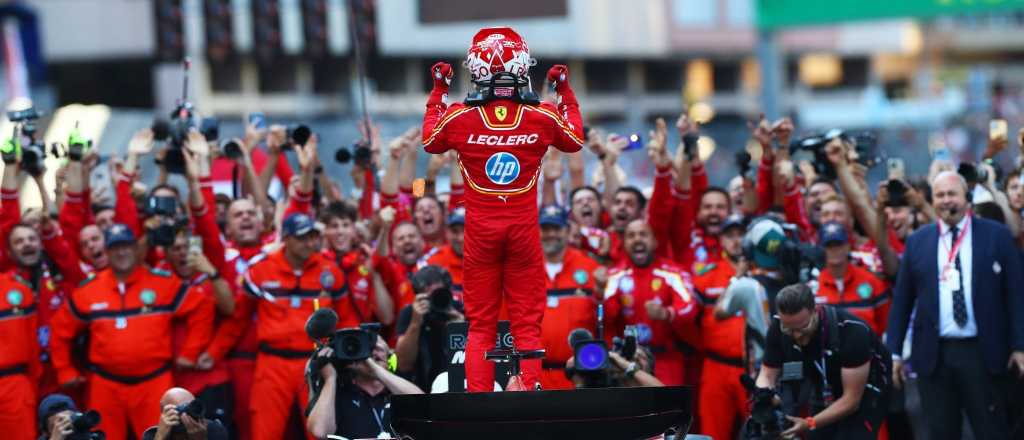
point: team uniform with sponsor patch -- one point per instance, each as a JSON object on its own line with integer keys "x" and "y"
{"x": 722, "y": 400}
{"x": 859, "y": 292}
{"x": 628, "y": 290}
{"x": 130, "y": 349}
{"x": 283, "y": 298}
{"x": 571, "y": 304}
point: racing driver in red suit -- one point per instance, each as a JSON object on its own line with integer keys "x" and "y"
{"x": 501, "y": 134}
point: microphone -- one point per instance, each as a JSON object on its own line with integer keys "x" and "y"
{"x": 579, "y": 335}
{"x": 321, "y": 324}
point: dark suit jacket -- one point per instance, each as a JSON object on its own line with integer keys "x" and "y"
{"x": 997, "y": 295}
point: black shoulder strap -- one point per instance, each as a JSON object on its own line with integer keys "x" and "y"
{"x": 832, "y": 327}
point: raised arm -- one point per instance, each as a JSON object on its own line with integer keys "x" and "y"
{"x": 437, "y": 109}
{"x": 569, "y": 133}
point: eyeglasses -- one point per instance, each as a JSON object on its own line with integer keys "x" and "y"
{"x": 805, "y": 330}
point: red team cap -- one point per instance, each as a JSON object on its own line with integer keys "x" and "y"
{"x": 498, "y": 49}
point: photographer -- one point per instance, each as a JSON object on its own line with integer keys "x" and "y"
{"x": 54, "y": 420}
{"x": 622, "y": 372}
{"x": 827, "y": 366}
{"x": 421, "y": 326}
{"x": 182, "y": 418}
{"x": 342, "y": 405}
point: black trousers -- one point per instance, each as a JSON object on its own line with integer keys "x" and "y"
{"x": 962, "y": 384}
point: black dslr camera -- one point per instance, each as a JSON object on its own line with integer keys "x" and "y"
{"x": 170, "y": 223}
{"x": 766, "y": 420}
{"x": 82, "y": 425}
{"x": 865, "y": 144}
{"x": 359, "y": 154}
{"x": 195, "y": 409}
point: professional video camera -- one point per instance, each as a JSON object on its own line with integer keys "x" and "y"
{"x": 82, "y": 425}
{"x": 195, "y": 409}
{"x": 865, "y": 144}
{"x": 591, "y": 355}
{"x": 766, "y": 420}
{"x": 34, "y": 153}
{"x": 175, "y": 130}
{"x": 349, "y": 344}
{"x": 170, "y": 223}
{"x": 359, "y": 154}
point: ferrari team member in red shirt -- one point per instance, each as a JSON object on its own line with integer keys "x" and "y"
{"x": 847, "y": 286}
{"x": 572, "y": 283}
{"x": 501, "y": 135}
{"x": 655, "y": 295}
{"x": 449, "y": 256}
{"x": 586, "y": 216}
{"x": 283, "y": 288}
{"x": 127, "y": 310}
{"x": 19, "y": 359}
{"x": 722, "y": 400}
{"x": 368, "y": 299}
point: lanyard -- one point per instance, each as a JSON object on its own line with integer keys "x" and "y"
{"x": 956, "y": 245}
{"x": 380, "y": 423}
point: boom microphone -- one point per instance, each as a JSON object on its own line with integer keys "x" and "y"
{"x": 579, "y": 335}
{"x": 321, "y": 324}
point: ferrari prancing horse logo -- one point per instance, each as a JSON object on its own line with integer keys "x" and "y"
{"x": 501, "y": 112}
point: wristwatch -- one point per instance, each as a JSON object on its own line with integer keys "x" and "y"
{"x": 810, "y": 423}
{"x": 214, "y": 276}
{"x": 631, "y": 370}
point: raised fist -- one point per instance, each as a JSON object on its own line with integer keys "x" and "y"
{"x": 559, "y": 76}
{"x": 442, "y": 73}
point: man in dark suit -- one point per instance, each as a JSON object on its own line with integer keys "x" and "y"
{"x": 964, "y": 276}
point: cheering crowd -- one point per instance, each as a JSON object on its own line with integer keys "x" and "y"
{"x": 131, "y": 306}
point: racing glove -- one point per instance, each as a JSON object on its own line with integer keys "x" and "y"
{"x": 441, "y": 73}
{"x": 558, "y": 76}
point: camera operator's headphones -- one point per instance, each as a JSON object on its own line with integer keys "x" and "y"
{"x": 520, "y": 90}
{"x": 429, "y": 275}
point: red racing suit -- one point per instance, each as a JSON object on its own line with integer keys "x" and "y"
{"x": 500, "y": 146}
{"x": 630, "y": 287}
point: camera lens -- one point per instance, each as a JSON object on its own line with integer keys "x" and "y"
{"x": 232, "y": 150}
{"x": 342, "y": 156}
{"x": 440, "y": 300}
{"x": 300, "y": 134}
{"x": 351, "y": 346}
{"x": 591, "y": 356}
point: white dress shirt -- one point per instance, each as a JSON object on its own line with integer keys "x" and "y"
{"x": 947, "y": 325}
